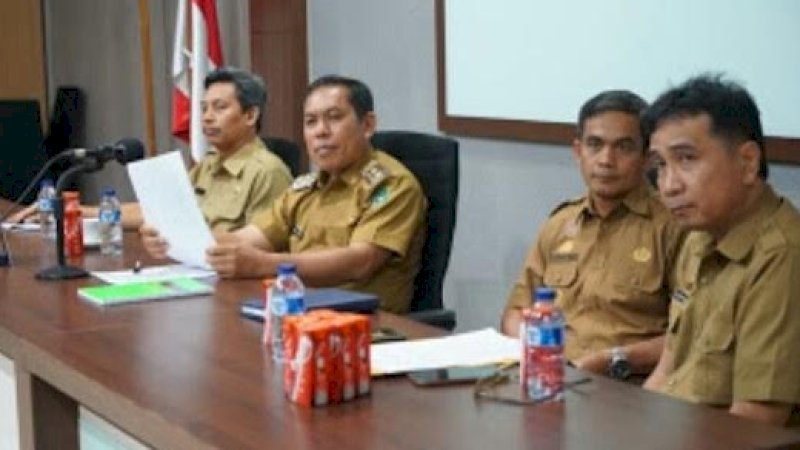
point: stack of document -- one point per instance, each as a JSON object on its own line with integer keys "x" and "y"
{"x": 485, "y": 346}
{"x": 24, "y": 226}
{"x": 152, "y": 273}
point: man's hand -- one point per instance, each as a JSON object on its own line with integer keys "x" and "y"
{"x": 510, "y": 322}
{"x": 231, "y": 257}
{"x": 155, "y": 245}
{"x": 596, "y": 362}
{"x": 26, "y": 214}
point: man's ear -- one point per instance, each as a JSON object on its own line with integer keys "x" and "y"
{"x": 576, "y": 149}
{"x": 370, "y": 123}
{"x": 251, "y": 115}
{"x": 750, "y": 155}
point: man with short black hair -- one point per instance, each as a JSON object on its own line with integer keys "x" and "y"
{"x": 734, "y": 330}
{"x": 607, "y": 253}
{"x": 239, "y": 177}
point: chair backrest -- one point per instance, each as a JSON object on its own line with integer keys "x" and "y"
{"x": 67, "y": 129}
{"x": 434, "y": 161}
{"x": 21, "y": 154}
{"x": 286, "y": 150}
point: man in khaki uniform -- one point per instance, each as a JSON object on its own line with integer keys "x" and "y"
{"x": 734, "y": 333}
{"x": 238, "y": 177}
{"x": 356, "y": 223}
{"x": 607, "y": 253}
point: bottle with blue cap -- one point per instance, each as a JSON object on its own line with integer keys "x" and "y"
{"x": 287, "y": 298}
{"x": 110, "y": 223}
{"x": 45, "y": 207}
{"x": 543, "y": 347}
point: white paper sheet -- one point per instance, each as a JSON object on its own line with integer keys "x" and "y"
{"x": 153, "y": 273}
{"x": 24, "y": 226}
{"x": 485, "y": 346}
{"x": 168, "y": 203}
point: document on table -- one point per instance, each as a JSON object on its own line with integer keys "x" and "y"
{"x": 23, "y": 226}
{"x": 152, "y": 274}
{"x": 168, "y": 203}
{"x": 480, "y": 347}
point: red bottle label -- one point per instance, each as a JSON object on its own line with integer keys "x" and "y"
{"x": 73, "y": 229}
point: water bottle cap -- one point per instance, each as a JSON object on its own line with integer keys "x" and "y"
{"x": 287, "y": 269}
{"x": 109, "y": 191}
{"x": 46, "y": 182}
{"x": 544, "y": 293}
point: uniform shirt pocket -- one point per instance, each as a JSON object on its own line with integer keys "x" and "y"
{"x": 224, "y": 206}
{"x": 562, "y": 276}
{"x": 638, "y": 287}
{"x": 714, "y": 366}
{"x": 229, "y": 207}
{"x": 635, "y": 279}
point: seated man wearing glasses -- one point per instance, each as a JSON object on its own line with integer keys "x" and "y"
{"x": 607, "y": 254}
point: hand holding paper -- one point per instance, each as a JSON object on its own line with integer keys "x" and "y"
{"x": 232, "y": 256}
{"x": 153, "y": 242}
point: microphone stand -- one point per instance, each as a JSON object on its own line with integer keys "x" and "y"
{"x": 62, "y": 271}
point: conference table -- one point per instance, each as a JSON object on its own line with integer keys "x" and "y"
{"x": 192, "y": 374}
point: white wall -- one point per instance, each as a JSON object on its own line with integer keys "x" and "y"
{"x": 507, "y": 189}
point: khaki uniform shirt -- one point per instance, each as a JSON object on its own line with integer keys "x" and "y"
{"x": 376, "y": 201}
{"x": 610, "y": 273}
{"x": 232, "y": 190}
{"x": 735, "y": 317}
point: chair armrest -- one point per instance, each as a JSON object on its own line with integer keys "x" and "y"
{"x": 441, "y": 318}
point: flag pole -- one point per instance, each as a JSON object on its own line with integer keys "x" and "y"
{"x": 147, "y": 76}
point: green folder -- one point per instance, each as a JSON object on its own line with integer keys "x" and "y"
{"x": 115, "y": 294}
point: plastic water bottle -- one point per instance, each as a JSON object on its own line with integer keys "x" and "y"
{"x": 287, "y": 298}
{"x": 543, "y": 345}
{"x": 110, "y": 218}
{"x": 45, "y": 206}
{"x": 289, "y": 284}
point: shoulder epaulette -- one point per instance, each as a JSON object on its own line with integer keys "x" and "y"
{"x": 305, "y": 181}
{"x": 564, "y": 204}
{"x": 374, "y": 173}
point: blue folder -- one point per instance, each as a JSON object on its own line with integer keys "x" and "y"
{"x": 325, "y": 298}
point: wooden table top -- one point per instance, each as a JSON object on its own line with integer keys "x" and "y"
{"x": 191, "y": 373}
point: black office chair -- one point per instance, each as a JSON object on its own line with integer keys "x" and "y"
{"x": 434, "y": 161}
{"x": 289, "y": 152}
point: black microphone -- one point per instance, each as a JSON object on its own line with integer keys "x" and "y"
{"x": 124, "y": 151}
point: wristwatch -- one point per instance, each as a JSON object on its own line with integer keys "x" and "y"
{"x": 620, "y": 367}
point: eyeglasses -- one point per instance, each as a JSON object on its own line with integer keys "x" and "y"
{"x": 498, "y": 387}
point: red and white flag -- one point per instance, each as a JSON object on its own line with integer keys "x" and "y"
{"x": 205, "y": 56}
